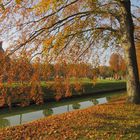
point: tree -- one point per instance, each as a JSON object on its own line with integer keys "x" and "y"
{"x": 117, "y": 64}
{"x": 105, "y": 71}
{"x": 138, "y": 57}
{"x": 127, "y": 27}
{"x": 80, "y": 24}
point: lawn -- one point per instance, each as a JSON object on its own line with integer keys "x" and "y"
{"x": 116, "y": 120}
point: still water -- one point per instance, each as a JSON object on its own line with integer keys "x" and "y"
{"x": 23, "y": 115}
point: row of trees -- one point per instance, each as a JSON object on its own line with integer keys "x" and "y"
{"x": 21, "y": 79}
{"x": 47, "y": 71}
{"x": 25, "y": 73}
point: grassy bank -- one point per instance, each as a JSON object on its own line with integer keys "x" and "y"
{"x": 87, "y": 87}
{"x": 113, "y": 121}
{"x": 18, "y": 96}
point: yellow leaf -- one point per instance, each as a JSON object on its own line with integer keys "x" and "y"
{"x": 18, "y": 1}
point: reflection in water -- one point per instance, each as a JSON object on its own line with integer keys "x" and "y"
{"x": 95, "y": 101}
{"x": 47, "y": 112}
{"x": 13, "y": 120}
{"x": 76, "y": 106}
{"x": 108, "y": 98}
{"x": 20, "y": 118}
{"x": 52, "y": 108}
{"x": 4, "y": 122}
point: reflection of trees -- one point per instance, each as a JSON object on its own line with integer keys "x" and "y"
{"x": 95, "y": 101}
{"x": 47, "y": 111}
{"x": 68, "y": 108}
{"x": 4, "y": 122}
{"x": 20, "y": 117}
{"x": 76, "y": 106}
{"x": 108, "y": 99}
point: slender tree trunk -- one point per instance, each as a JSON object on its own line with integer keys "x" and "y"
{"x": 133, "y": 85}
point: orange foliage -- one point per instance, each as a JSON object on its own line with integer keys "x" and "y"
{"x": 117, "y": 64}
{"x": 21, "y": 79}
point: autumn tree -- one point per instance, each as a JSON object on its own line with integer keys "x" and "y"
{"x": 105, "y": 71}
{"x": 117, "y": 64}
{"x": 53, "y": 28}
{"x": 138, "y": 56}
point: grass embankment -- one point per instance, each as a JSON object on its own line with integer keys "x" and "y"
{"x": 49, "y": 92}
{"x": 87, "y": 87}
{"x": 113, "y": 121}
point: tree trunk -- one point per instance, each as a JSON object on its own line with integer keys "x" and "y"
{"x": 127, "y": 27}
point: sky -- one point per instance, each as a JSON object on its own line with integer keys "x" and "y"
{"x": 136, "y": 2}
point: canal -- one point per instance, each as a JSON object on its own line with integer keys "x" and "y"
{"x": 20, "y": 115}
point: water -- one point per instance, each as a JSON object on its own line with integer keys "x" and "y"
{"x": 23, "y": 115}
